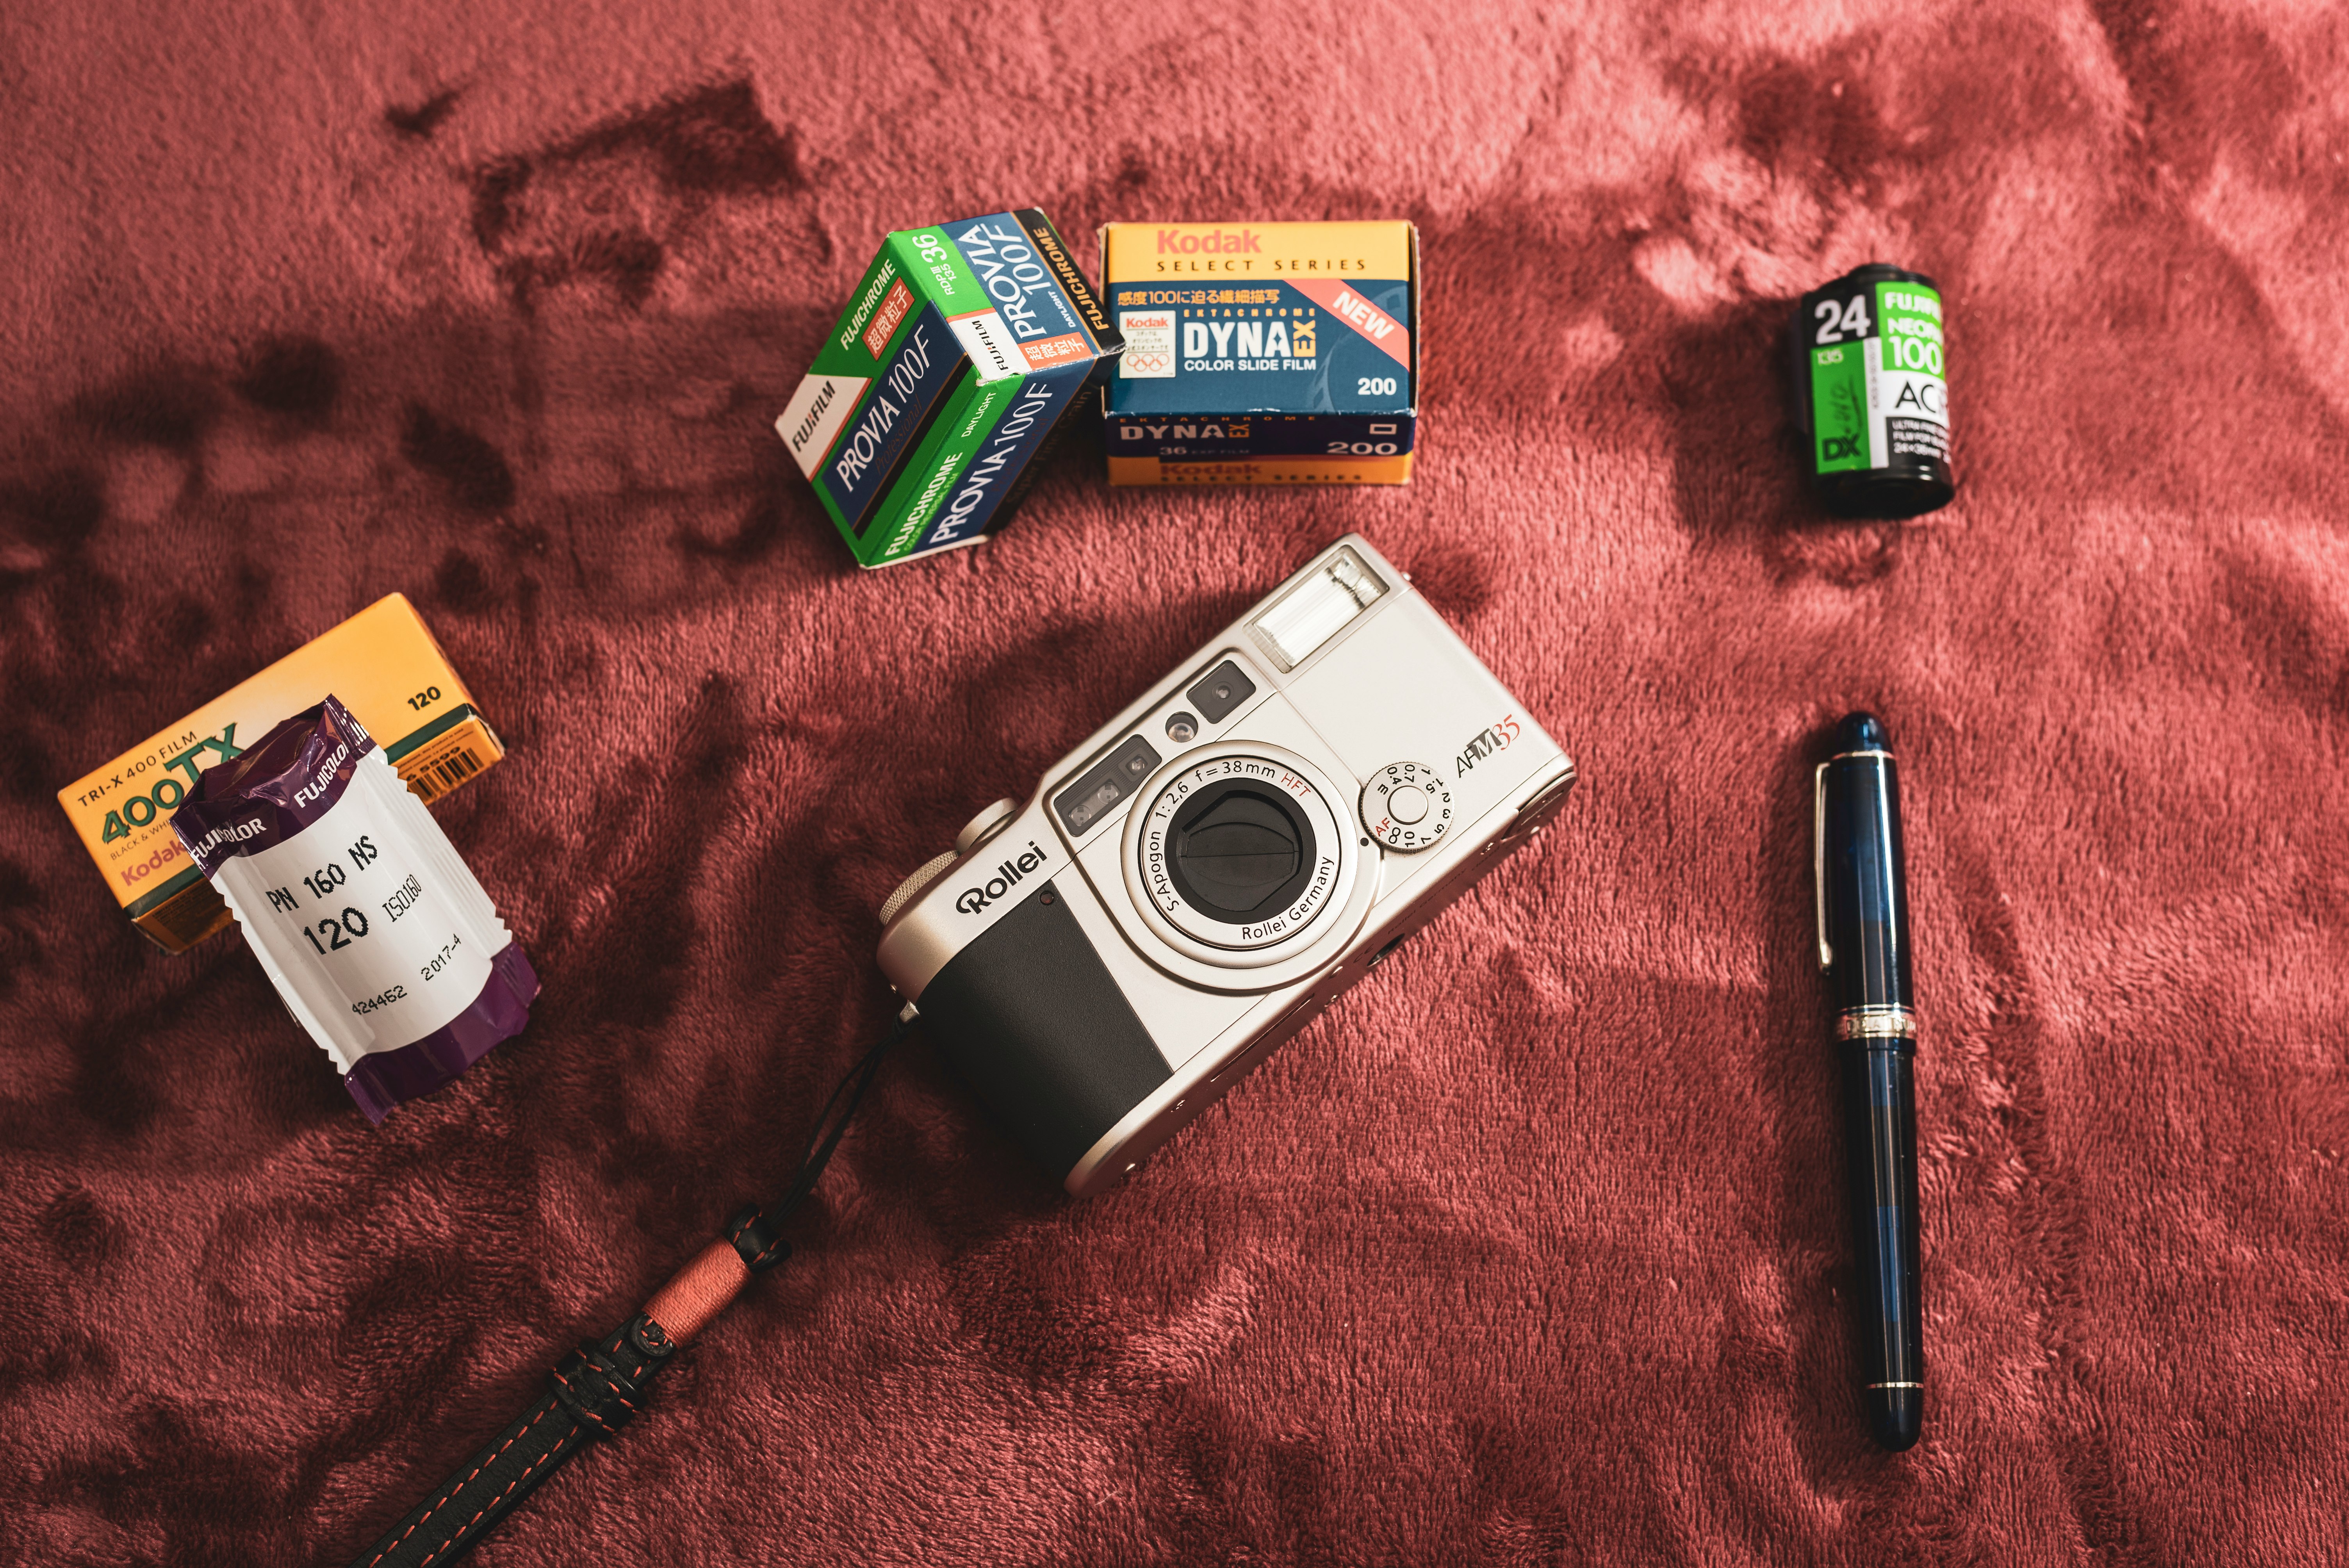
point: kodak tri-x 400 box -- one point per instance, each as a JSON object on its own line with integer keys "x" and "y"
{"x": 1262, "y": 353}
{"x": 962, "y": 353}
{"x": 382, "y": 665}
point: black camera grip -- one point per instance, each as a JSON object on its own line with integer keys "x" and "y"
{"x": 1036, "y": 1026}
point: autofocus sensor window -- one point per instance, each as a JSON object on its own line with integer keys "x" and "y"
{"x": 1223, "y": 689}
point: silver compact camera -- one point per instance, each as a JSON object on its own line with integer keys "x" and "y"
{"x": 1193, "y": 884}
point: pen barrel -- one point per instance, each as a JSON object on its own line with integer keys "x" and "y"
{"x": 1879, "y": 1089}
{"x": 1864, "y": 897}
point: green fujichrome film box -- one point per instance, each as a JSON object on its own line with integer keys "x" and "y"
{"x": 953, "y": 369}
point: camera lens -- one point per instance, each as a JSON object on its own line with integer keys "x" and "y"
{"x": 1241, "y": 851}
{"x": 1181, "y": 728}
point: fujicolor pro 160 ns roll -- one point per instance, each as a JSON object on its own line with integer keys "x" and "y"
{"x": 1871, "y": 392}
{"x": 385, "y": 666}
{"x": 947, "y": 377}
{"x": 364, "y": 916}
{"x": 1262, "y": 353}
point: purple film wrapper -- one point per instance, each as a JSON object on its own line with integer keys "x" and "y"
{"x": 380, "y": 941}
{"x": 383, "y": 1078}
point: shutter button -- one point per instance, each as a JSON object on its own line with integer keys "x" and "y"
{"x": 985, "y": 825}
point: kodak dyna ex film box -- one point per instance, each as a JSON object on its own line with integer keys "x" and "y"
{"x": 958, "y": 361}
{"x": 381, "y": 664}
{"x": 1262, "y": 353}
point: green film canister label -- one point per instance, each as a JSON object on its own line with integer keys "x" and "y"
{"x": 1871, "y": 350}
{"x": 1878, "y": 392}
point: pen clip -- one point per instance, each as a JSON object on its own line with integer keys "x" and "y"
{"x": 1819, "y": 860}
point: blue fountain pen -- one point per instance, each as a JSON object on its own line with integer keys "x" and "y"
{"x": 1863, "y": 920}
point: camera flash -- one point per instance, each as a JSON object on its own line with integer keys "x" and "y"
{"x": 1316, "y": 609}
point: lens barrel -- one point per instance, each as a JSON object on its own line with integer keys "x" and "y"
{"x": 1239, "y": 850}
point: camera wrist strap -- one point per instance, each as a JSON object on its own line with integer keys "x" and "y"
{"x": 597, "y": 1388}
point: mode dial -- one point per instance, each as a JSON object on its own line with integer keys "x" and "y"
{"x": 1407, "y": 806}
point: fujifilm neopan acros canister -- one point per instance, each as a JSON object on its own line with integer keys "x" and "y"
{"x": 1194, "y": 882}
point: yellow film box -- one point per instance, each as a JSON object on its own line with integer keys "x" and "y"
{"x": 382, "y": 665}
{"x": 1265, "y": 354}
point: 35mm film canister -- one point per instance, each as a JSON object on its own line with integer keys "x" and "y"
{"x": 1872, "y": 393}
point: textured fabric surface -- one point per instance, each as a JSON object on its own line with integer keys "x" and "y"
{"x": 1535, "y": 1250}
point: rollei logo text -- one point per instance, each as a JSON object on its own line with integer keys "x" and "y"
{"x": 1008, "y": 875}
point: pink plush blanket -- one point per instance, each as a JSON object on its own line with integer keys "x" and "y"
{"x": 1534, "y": 1251}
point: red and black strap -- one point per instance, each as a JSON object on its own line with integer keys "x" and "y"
{"x": 591, "y": 1394}
{"x": 598, "y": 1388}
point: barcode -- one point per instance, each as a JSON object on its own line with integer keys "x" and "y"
{"x": 455, "y": 768}
{"x": 433, "y": 781}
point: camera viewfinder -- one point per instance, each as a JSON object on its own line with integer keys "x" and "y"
{"x": 1106, "y": 784}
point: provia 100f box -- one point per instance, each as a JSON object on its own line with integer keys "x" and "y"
{"x": 1262, "y": 353}
{"x": 963, "y": 350}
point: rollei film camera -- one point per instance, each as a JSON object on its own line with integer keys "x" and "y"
{"x": 1210, "y": 870}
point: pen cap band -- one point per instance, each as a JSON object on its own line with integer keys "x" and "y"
{"x": 1876, "y": 1023}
